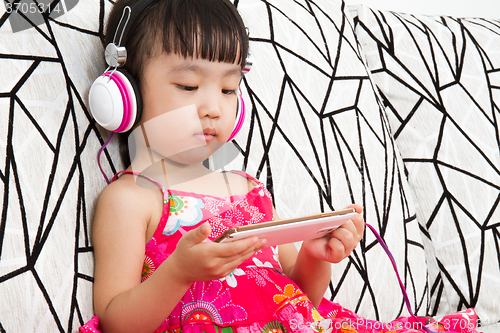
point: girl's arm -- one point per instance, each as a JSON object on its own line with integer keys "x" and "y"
{"x": 310, "y": 268}
{"x": 120, "y": 300}
{"x": 124, "y": 304}
{"x": 311, "y": 275}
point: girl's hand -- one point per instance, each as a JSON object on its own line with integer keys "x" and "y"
{"x": 340, "y": 243}
{"x": 197, "y": 259}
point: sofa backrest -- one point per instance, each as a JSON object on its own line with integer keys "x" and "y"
{"x": 439, "y": 79}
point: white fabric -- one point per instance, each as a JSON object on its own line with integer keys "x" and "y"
{"x": 331, "y": 146}
{"x": 438, "y": 77}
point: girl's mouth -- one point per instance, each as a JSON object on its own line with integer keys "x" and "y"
{"x": 207, "y": 135}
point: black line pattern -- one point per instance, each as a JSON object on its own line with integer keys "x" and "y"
{"x": 319, "y": 139}
{"x": 316, "y": 135}
{"x": 439, "y": 80}
{"x": 50, "y": 179}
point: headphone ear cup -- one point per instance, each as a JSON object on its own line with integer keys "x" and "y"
{"x": 115, "y": 101}
{"x": 240, "y": 116}
{"x": 137, "y": 94}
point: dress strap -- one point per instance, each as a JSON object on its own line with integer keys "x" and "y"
{"x": 165, "y": 191}
{"x": 244, "y": 174}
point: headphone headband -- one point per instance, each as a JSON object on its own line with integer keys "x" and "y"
{"x": 116, "y": 54}
{"x": 137, "y": 9}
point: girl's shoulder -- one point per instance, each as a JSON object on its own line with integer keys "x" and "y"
{"x": 122, "y": 188}
{"x": 242, "y": 182}
{"x": 126, "y": 197}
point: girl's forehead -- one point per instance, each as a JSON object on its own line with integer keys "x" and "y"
{"x": 175, "y": 64}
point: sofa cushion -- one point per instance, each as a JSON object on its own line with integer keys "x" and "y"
{"x": 50, "y": 179}
{"x": 319, "y": 140}
{"x": 439, "y": 78}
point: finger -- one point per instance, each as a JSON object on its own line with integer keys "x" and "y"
{"x": 346, "y": 237}
{"x": 359, "y": 224}
{"x": 246, "y": 252}
{"x": 197, "y": 235}
{"x": 233, "y": 262}
{"x": 349, "y": 225}
{"x": 358, "y": 220}
{"x": 338, "y": 251}
{"x": 257, "y": 246}
{"x": 234, "y": 248}
{"x": 353, "y": 228}
{"x": 261, "y": 243}
{"x": 357, "y": 207}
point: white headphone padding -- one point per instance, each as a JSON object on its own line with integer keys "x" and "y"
{"x": 106, "y": 102}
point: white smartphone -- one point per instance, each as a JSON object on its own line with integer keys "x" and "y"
{"x": 290, "y": 230}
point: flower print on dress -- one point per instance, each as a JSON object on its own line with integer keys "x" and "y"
{"x": 290, "y": 295}
{"x": 233, "y": 218}
{"x": 225, "y": 213}
{"x": 227, "y": 210}
{"x": 274, "y": 327}
{"x": 259, "y": 263}
{"x": 155, "y": 255}
{"x": 255, "y": 215}
{"x": 216, "y": 206}
{"x": 221, "y": 225}
{"x": 218, "y": 227}
{"x": 260, "y": 275}
{"x": 263, "y": 192}
{"x": 324, "y": 326}
{"x": 260, "y": 271}
{"x": 210, "y": 301}
{"x": 147, "y": 268}
{"x": 275, "y": 254}
{"x": 184, "y": 211}
{"x": 231, "y": 278}
{"x": 158, "y": 251}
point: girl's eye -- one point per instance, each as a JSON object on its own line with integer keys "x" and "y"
{"x": 228, "y": 91}
{"x": 186, "y": 88}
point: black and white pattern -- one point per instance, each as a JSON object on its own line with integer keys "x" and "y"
{"x": 49, "y": 176}
{"x": 440, "y": 80}
{"x": 315, "y": 135}
{"x": 319, "y": 140}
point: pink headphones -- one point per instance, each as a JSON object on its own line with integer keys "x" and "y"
{"x": 114, "y": 97}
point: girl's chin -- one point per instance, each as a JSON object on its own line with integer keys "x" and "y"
{"x": 195, "y": 155}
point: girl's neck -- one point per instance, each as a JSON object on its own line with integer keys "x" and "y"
{"x": 193, "y": 178}
{"x": 170, "y": 173}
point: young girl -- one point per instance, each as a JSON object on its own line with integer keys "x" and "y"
{"x": 156, "y": 267}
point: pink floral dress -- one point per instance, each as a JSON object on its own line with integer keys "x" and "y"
{"x": 257, "y": 296}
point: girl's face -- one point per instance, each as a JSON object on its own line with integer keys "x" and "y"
{"x": 189, "y": 106}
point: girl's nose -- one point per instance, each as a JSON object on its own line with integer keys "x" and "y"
{"x": 209, "y": 105}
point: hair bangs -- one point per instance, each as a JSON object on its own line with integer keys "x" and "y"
{"x": 210, "y": 30}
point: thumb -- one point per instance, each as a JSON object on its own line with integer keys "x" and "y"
{"x": 199, "y": 234}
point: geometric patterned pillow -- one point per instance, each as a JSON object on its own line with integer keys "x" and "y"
{"x": 439, "y": 78}
{"x": 319, "y": 140}
{"x": 48, "y": 171}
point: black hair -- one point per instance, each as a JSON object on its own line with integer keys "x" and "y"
{"x": 207, "y": 29}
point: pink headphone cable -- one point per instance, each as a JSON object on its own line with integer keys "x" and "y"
{"x": 403, "y": 289}
{"x": 99, "y": 156}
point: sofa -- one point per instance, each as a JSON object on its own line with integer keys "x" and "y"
{"x": 396, "y": 112}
